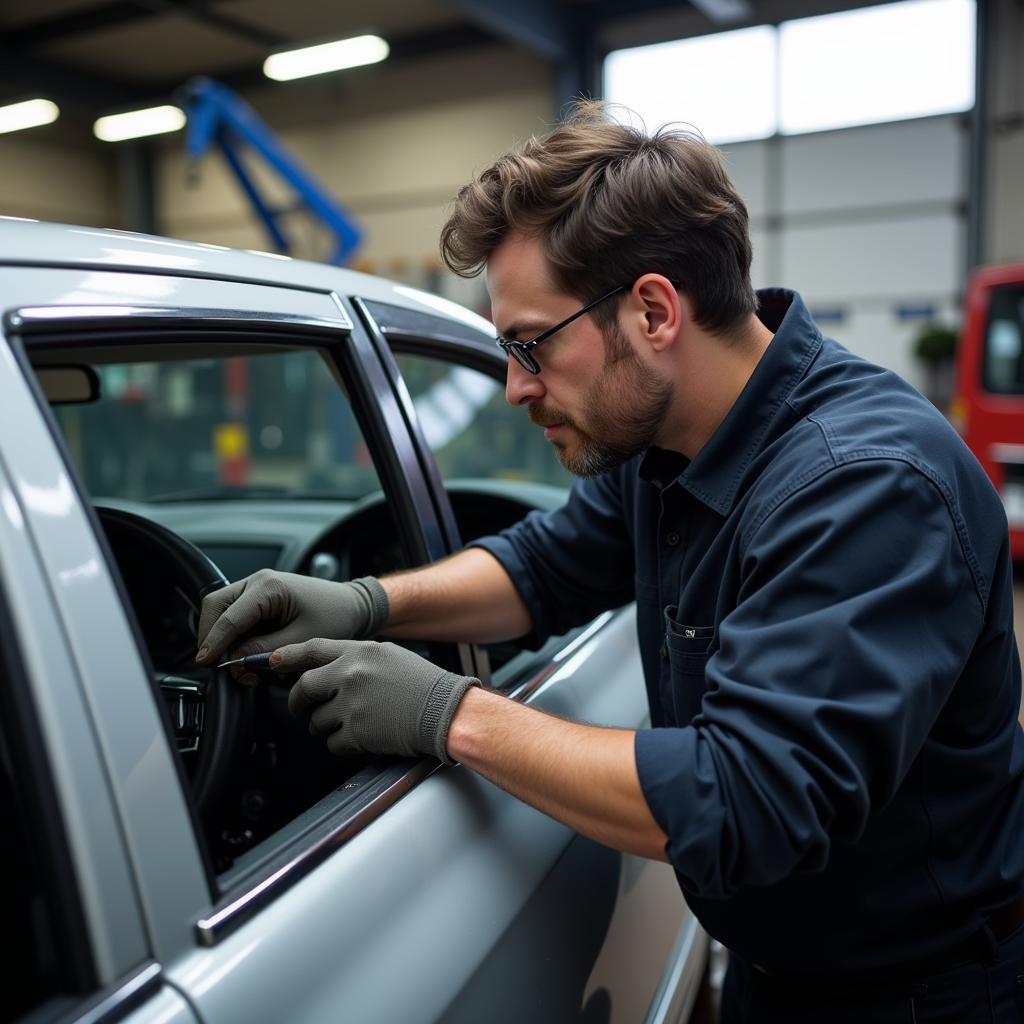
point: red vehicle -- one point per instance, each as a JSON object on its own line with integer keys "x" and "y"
{"x": 988, "y": 403}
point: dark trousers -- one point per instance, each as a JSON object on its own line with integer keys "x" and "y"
{"x": 987, "y": 991}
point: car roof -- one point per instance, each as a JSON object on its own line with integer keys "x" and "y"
{"x": 26, "y": 243}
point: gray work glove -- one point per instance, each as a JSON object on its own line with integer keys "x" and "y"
{"x": 293, "y": 608}
{"x": 372, "y": 697}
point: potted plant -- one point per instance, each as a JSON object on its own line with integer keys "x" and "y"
{"x": 935, "y": 346}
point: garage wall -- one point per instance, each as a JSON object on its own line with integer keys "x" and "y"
{"x": 867, "y": 223}
{"x": 56, "y": 182}
{"x": 394, "y": 148}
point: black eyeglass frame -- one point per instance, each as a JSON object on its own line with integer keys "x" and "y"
{"x": 520, "y": 350}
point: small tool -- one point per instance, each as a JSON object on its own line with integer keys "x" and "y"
{"x": 256, "y": 661}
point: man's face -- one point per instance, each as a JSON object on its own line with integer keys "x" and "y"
{"x": 597, "y": 400}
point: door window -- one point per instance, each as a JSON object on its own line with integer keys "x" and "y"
{"x": 496, "y": 467}
{"x": 257, "y": 457}
{"x": 473, "y": 432}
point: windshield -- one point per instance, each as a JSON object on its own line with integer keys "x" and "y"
{"x": 276, "y": 424}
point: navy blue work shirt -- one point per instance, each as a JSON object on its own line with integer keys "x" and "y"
{"x": 824, "y": 606}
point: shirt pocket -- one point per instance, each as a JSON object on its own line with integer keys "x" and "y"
{"x": 687, "y": 647}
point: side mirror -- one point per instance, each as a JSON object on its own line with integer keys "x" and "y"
{"x": 69, "y": 385}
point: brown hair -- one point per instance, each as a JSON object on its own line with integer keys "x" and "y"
{"x": 612, "y": 203}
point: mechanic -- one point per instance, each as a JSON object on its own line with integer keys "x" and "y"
{"x": 823, "y": 588}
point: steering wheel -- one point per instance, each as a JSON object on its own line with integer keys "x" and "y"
{"x": 210, "y": 714}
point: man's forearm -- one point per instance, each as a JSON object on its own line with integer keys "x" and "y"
{"x": 581, "y": 775}
{"x": 467, "y": 598}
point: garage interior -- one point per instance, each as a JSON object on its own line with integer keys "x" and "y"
{"x": 878, "y": 217}
{"x": 877, "y": 221}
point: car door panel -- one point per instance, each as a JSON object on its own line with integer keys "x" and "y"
{"x": 398, "y": 921}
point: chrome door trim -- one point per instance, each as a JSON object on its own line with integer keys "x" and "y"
{"x": 33, "y": 319}
{"x": 230, "y": 913}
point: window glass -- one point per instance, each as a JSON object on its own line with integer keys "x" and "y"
{"x": 273, "y": 423}
{"x": 1003, "y": 371}
{"x": 723, "y": 85}
{"x": 886, "y": 63}
{"x": 471, "y": 429}
{"x": 252, "y": 455}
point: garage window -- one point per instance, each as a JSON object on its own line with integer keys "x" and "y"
{"x": 805, "y": 75}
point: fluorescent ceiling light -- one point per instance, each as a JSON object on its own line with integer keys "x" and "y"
{"x": 318, "y": 60}
{"x": 135, "y": 124}
{"x": 28, "y": 114}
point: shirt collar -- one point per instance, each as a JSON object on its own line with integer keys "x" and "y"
{"x": 714, "y": 473}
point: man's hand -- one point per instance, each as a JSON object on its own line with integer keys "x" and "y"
{"x": 378, "y": 698}
{"x": 297, "y": 607}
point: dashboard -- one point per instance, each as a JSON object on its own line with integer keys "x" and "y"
{"x": 328, "y": 538}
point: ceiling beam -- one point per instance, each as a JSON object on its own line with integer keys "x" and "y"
{"x": 534, "y": 24}
{"x": 116, "y": 13}
{"x": 42, "y": 32}
{"x": 203, "y": 12}
{"x": 25, "y": 74}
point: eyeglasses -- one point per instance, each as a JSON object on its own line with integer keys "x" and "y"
{"x": 520, "y": 350}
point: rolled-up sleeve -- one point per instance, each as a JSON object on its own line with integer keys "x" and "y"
{"x": 574, "y": 562}
{"x": 857, "y": 613}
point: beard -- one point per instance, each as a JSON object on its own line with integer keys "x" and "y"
{"x": 623, "y": 411}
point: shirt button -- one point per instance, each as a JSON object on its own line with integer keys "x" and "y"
{"x": 672, "y": 539}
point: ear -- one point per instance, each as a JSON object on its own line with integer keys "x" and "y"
{"x": 664, "y": 311}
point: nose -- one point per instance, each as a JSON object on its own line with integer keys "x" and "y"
{"x": 521, "y": 386}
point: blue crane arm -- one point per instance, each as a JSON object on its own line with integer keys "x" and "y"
{"x": 216, "y": 115}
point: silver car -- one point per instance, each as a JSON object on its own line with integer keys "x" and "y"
{"x": 178, "y": 848}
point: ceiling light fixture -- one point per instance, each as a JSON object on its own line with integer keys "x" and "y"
{"x": 28, "y": 114}
{"x": 136, "y": 124}
{"x": 325, "y": 57}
